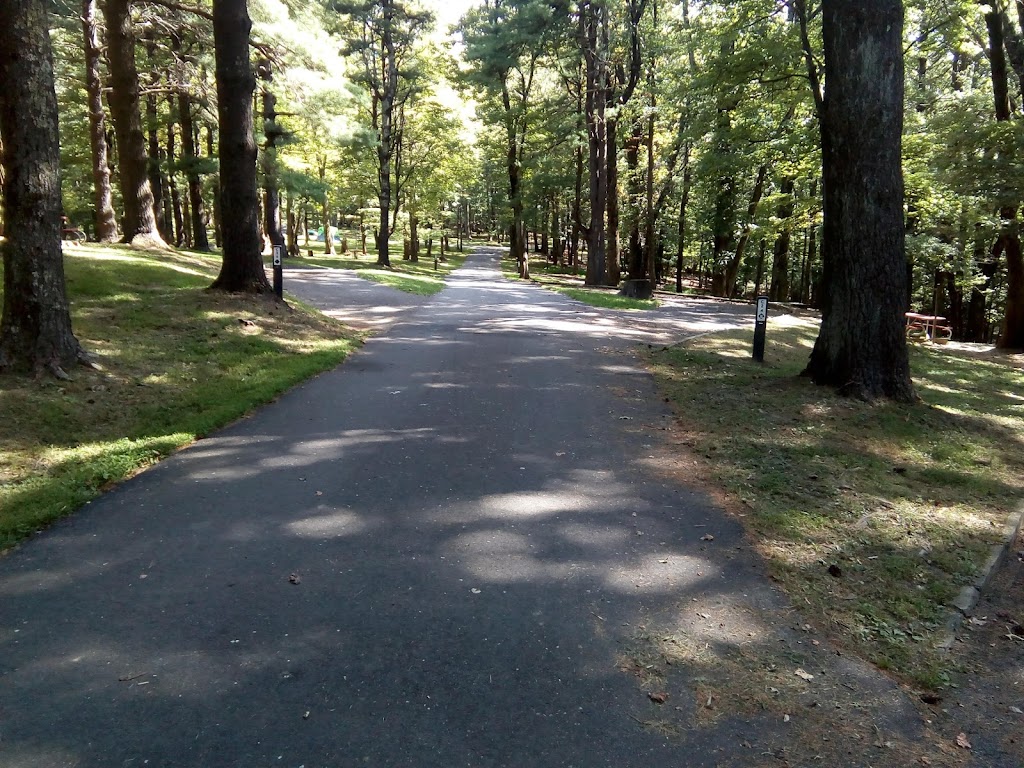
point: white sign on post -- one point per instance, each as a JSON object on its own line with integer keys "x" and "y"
{"x": 762, "y": 309}
{"x": 277, "y": 255}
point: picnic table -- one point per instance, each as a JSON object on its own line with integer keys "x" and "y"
{"x": 927, "y": 328}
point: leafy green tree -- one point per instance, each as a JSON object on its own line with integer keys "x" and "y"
{"x": 505, "y": 42}
{"x": 383, "y": 36}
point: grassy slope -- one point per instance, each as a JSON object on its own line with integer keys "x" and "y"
{"x": 177, "y": 362}
{"x": 901, "y": 502}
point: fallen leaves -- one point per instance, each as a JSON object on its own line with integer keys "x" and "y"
{"x": 962, "y": 741}
{"x": 658, "y": 698}
{"x": 804, "y": 675}
{"x": 294, "y": 579}
{"x": 707, "y": 537}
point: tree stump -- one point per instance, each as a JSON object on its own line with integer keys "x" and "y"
{"x": 637, "y": 289}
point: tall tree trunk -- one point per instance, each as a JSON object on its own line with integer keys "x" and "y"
{"x": 153, "y": 171}
{"x": 1008, "y": 242}
{"x": 778, "y": 289}
{"x": 684, "y": 201}
{"x": 293, "y": 225}
{"x": 594, "y": 38}
{"x": 172, "y": 185}
{"x": 139, "y": 216}
{"x": 577, "y": 199}
{"x": 105, "y": 220}
{"x": 651, "y": 247}
{"x": 414, "y": 237}
{"x": 241, "y": 264}
{"x": 35, "y": 328}
{"x": 189, "y": 156}
{"x": 217, "y": 233}
{"x": 732, "y": 270}
{"x": 517, "y": 246}
{"x": 636, "y": 270}
{"x": 861, "y": 347}
{"x": 613, "y": 269}
{"x": 271, "y": 195}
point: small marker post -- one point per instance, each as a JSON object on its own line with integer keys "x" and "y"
{"x": 760, "y": 326}
{"x": 278, "y": 272}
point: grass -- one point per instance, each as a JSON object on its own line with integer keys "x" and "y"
{"x": 569, "y": 281}
{"x": 418, "y": 277}
{"x": 177, "y": 362}
{"x": 598, "y": 297}
{"x": 871, "y": 516}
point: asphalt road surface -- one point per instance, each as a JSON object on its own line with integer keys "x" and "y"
{"x": 439, "y": 554}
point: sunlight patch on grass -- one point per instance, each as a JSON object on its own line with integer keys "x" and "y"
{"x": 177, "y": 361}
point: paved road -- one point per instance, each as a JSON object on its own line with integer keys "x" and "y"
{"x": 440, "y": 554}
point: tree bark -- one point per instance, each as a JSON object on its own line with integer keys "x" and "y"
{"x": 35, "y": 327}
{"x": 613, "y": 261}
{"x": 241, "y": 264}
{"x": 189, "y": 156}
{"x": 1008, "y": 241}
{"x": 105, "y": 220}
{"x": 684, "y": 201}
{"x": 172, "y": 184}
{"x": 271, "y": 132}
{"x": 139, "y": 216}
{"x": 779, "y": 286}
{"x": 593, "y": 40}
{"x": 861, "y": 347}
{"x": 153, "y": 171}
{"x": 733, "y": 268}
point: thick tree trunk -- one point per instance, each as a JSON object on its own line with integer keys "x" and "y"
{"x": 35, "y": 328}
{"x": 105, "y": 220}
{"x": 241, "y": 264}
{"x": 861, "y": 348}
{"x": 139, "y": 216}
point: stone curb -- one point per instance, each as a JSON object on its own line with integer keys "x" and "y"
{"x": 969, "y": 596}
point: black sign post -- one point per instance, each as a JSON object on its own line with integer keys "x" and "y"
{"x": 278, "y": 273}
{"x": 760, "y": 325}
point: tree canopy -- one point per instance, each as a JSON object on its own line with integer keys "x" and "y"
{"x": 644, "y": 143}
